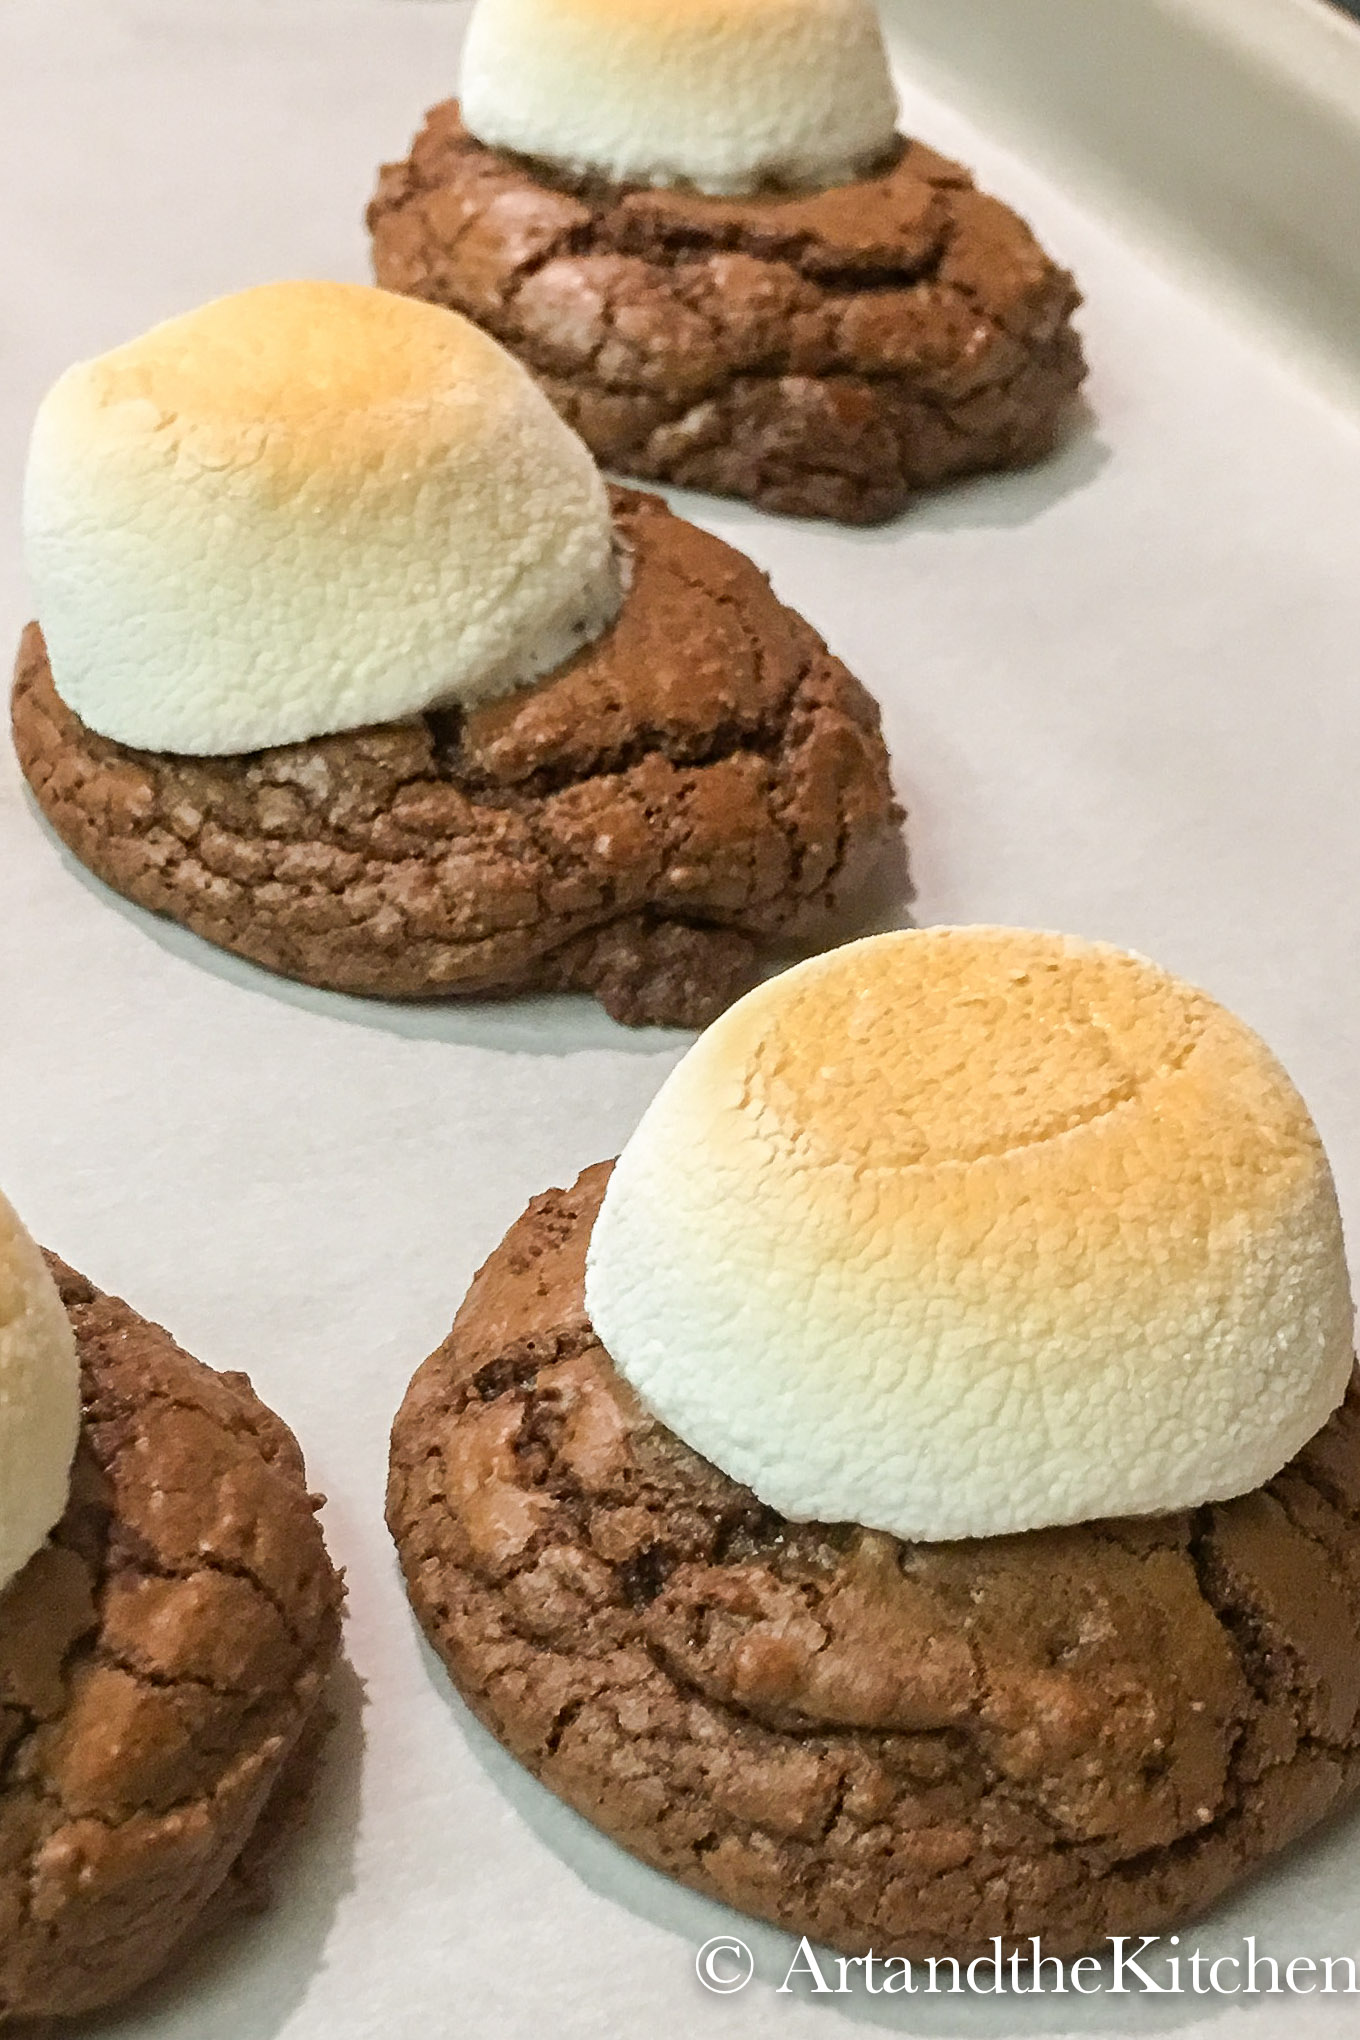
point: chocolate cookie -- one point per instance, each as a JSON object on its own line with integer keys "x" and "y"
{"x": 824, "y": 354}
{"x": 911, "y": 1748}
{"x": 703, "y": 777}
{"x": 162, "y": 1664}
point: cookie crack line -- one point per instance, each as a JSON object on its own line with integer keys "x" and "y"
{"x": 840, "y": 1741}
{"x": 160, "y": 1681}
{"x": 825, "y": 355}
{"x": 159, "y": 1568}
{"x": 1012, "y": 1815}
{"x": 385, "y": 863}
{"x": 765, "y": 736}
{"x": 137, "y": 1742}
{"x": 619, "y": 218}
{"x": 274, "y": 1744}
{"x": 731, "y": 740}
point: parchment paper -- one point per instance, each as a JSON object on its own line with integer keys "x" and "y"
{"x": 1123, "y": 697}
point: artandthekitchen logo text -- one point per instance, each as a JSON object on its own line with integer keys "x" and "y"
{"x": 1148, "y": 1964}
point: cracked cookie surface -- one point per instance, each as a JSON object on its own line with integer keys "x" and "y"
{"x": 162, "y": 1664}
{"x": 823, "y": 354}
{"x": 703, "y": 778}
{"x": 905, "y": 1747}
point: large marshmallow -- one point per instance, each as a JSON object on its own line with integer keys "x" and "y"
{"x": 725, "y": 95}
{"x": 39, "y": 1399}
{"x": 306, "y": 508}
{"x": 976, "y": 1230}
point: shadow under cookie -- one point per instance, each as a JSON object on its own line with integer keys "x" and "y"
{"x": 823, "y": 354}
{"x": 1070, "y": 1733}
{"x": 163, "y": 1665}
{"x": 705, "y": 779}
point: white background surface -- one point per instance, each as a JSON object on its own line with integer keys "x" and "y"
{"x": 1123, "y": 697}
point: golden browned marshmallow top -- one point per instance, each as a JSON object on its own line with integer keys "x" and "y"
{"x": 306, "y": 508}
{"x": 974, "y": 1230}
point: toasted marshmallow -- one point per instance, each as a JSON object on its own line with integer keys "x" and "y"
{"x": 306, "y": 508}
{"x": 39, "y": 1399}
{"x": 725, "y": 95}
{"x": 975, "y": 1230}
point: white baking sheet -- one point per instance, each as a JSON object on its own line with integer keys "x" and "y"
{"x": 1123, "y": 696}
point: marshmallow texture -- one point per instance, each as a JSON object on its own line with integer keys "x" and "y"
{"x": 39, "y": 1399}
{"x": 724, "y": 95}
{"x": 306, "y": 508}
{"x": 975, "y": 1230}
